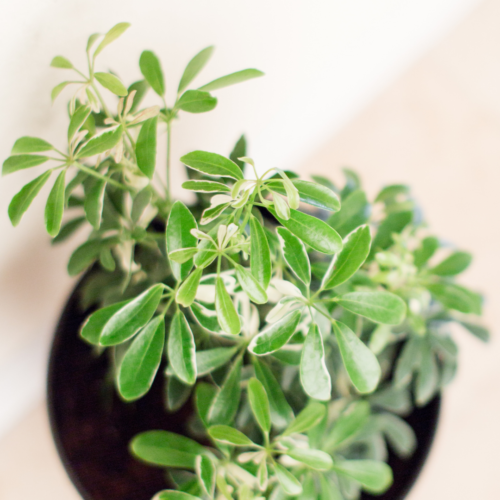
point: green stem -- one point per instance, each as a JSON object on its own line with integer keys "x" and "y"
{"x": 94, "y": 173}
{"x": 169, "y": 134}
{"x": 103, "y": 104}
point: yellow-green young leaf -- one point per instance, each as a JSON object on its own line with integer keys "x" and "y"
{"x": 359, "y": 361}
{"x": 374, "y": 476}
{"x": 312, "y": 231}
{"x": 227, "y": 315}
{"x": 57, "y": 90}
{"x": 356, "y": 248}
{"x": 19, "y": 162}
{"x": 295, "y": 254}
{"x": 187, "y": 291}
{"x": 181, "y": 349}
{"x": 381, "y": 307}
{"x": 92, "y": 328}
{"x": 250, "y": 285}
{"x": 178, "y": 236}
{"x": 30, "y": 145}
{"x": 126, "y": 322}
{"x": 226, "y": 401}
{"x": 112, "y": 83}
{"x": 205, "y": 470}
{"x": 452, "y": 265}
{"x": 145, "y": 148}
{"x": 206, "y": 187}
{"x": 260, "y": 255}
{"x": 166, "y": 449}
{"x": 456, "y": 297}
{"x": 78, "y": 118}
{"x": 314, "y": 375}
{"x": 194, "y": 67}
{"x": 182, "y": 255}
{"x": 211, "y": 359}
{"x": 351, "y": 421}
{"x": 94, "y": 201}
{"x": 276, "y": 335}
{"x": 281, "y": 207}
{"x": 315, "y": 459}
{"x": 174, "y": 495}
{"x": 229, "y": 435}
{"x": 290, "y": 484}
{"x": 101, "y": 143}
{"x": 151, "y": 69}
{"x": 232, "y": 79}
{"x": 61, "y": 62}
{"x": 308, "y": 418}
{"x": 196, "y": 101}
{"x": 54, "y": 208}
{"x": 212, "y": 164}
{"x": 116, "y": 31}
{"x": 259, "y": 403}
{"x": 22, "y": 200}
{"x": 142, "y": 360}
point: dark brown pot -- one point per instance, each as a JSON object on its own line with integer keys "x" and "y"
{"x": 92, "y": 426}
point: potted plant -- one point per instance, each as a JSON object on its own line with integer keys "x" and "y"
{"x": 291, "y": 330}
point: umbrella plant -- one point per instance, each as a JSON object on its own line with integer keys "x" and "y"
{"x": 301, "y": 323}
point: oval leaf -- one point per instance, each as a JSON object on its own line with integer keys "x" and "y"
{"x": 61, "y": 62}
{"x": 290, "y": 484}
{"x": 259, "y": 403}
{"x": 452, "y": 265}
{"x": 225, "y": 404}
{"x": 78, "y": 118}
{"x": 316, "y": 459}
{"x": 205, "y": 470}
{"x": 112, "y": 83}
{"x": 211, "y": 359}
{"x": 260, "y": 255}
{"x": 30, "y": 145}
{"x": 187, "y": 291}
{"x": 101, "y": 143}
{"x": 374, "y": 476}
{"x": 145, "y": 148}
{"x": 194, "y": 67}
{"x": 19, "y": 162}
{"x": 206, "y": 187}
{"x": 456, "y": 297}
{"x": 54, "y": 208}
{"x": 196, "y": 101}
{"x": 308, "y": 418}
{"x": 351, "y": 421}
{"x": 229, "y": 435}
{"x": 295, "y": 254}
{"x": 92, "y": 328}
{"x": 94, "y": 202}
{"x": 181, "y": 349}
{"x": 212, "y": 164}
{"x": 116, "y": 31}
{"x": 250, "y": 285}
{"x": 151, "y": 69}
{"x": 232, "y": 79}
{"x": 228, "y": 318}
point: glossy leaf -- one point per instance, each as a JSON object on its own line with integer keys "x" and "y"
{"x": 178, "y": 235}
{"x": 30, "y": 145}
{"x": 315, "y": 459}
{"x": 295, "y": 254}
{"x": 205, "y": 470}
{"x": 229, "y": 435}
{"x": 452, "y": 265}
{"x": 212, "y": 164}
{"x": 92, "y": 327}
{"x": 345, "y": 264}
{"x": 195, "y": 65}
{"x": 210, "y": 214}
{"x": 142, "y": 360}
{"x": 182, "y": 255}
{"x": 308, "y": 418}
{"x": 116, "y": 31}
{"x": 350, "y": 422}
{"x": 78, "y": 118}
{"x": 290, "y": 484}
{"x": 374, "y": 476}
{"x": 101, "y": 143}
{"x": 211, "y": 359}
{"x": 456, "y": 297}
{"x": 177, "y": 393}
{"x": 206, "y": 317}
{"x": 229, "y": 320}
{"x": 94, "y": 201}
{"x": 359, "y": 361}
{"x": 250, "y": 285}
{"x": 54, "y": 208}
{"x": 181, "y": 349}
{"x": 174, "y": 495}
{"x": 381, "y": 307}
{"x": 260, "y": 254}
{"x": 112, "y": 83}
{"x": 259, "y": 403}
{"x": 196, "y": 101}
{"x": 206, "y": 187}
{"x": 427, "y": 249}
{"x": 232, "y": 79}
{"x": 314, "y": 375}
{"x": 152, "y": 72}
{"x": 187, "y": 291}
{"x": 312, "y": 231}
{"x": 126, "y": 322}
{"x": 276, "y": 335}
{"x": 19, "y": 162}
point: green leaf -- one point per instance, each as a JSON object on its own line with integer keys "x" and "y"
{"x": 407, "y": 362}
{"x": 181, "y": 349}
{"x": 145, "y": 148}
{"x": 30, "y": 145}
{"x": 101, "y": 143}
{"x": 428, "y": 375}
{"x": 479, "y": 331}
{"x": 116, "y": 31}
{"x": 23, "y": 199}
{"x": 141, "y": 201}
{"x": 456, "y": 297}
{"x": 374, "y": 476}
{"x": 126, "y": 322}
{"x": 260, "y": 255}
{"x": 61, "y": 62}
{"x": 78, "y": 118}
{"x": 211, "y": 359}
{"x": 227, "y": 399}
{"x": 86, "y": 253}
{"x": 360, "y": 363}
{"x": 196, "y": 101}
{"x": 204, "y": 396}
{"x": 350, "y": 259}
{"x": 355, "y": 211}
{"x": 142, "y": 360}
{"x": 57, "y": 90}
{"x": 206, "y": 317}
{"x": 206, "y": 187}
{"x": 229, "y": 435}
{"x": 68, "y": 229}
{"x": 390, "y": 193}
{"x": 452, "y": 265}
{"x": 205, "y": 470}
{"x": 174, "y": 495}
{"x": 259, "y": 403}
{"x": 239, "y": 150}
{"x": 107, "y": 260}
{"x": 400, "y": 435}
{"x": 140, "y": 87}
{"x": 92, "y": 328}
{"x": 308, "y": 418}
{"x": 290, "y": 484}
{"x": 112, "y": 83}
{"x": 187, "y": 291}
{"x": 178, "y": 235}
{"x": 195, "y": 65}
{"x": 54, "y": 208}
{"x": 250, "y": 285}
{"x": 212, "y": 164}
{"x": 166, "y": 449}
{"x": 295, "y": 254}
{"x": 329, "y": 489}
{"x": 177, "y": 393}
{"x": 315, "y": 459}
{"x": 19, "y": 162}
{"x": 312, "y": 231}
{"x": 182, "y": 255}
{"x": 351, "y": 422}
{"x": 232, "y": 79}
{"x": 276, "y": 335}
{"x": 151, "y": 69}
{"x": 395, "y": 222}
{"x": 229, "y": 320}
{"x": 314, "y": 375}
{"x": 94, "y": 201}
{"x": 281, "y": 412}
{"x": 381, "y": 307}
{"x": 425, "y": 251}
{"x": 210, "y": 214}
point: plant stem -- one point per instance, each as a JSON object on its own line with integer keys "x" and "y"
{"x": 100, "y": 176}
{"x": 169, "y": 134}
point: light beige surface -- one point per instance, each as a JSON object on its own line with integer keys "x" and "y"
{"x": 438, "y": 129}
